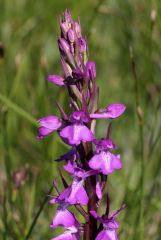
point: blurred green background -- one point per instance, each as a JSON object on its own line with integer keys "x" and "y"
{"x": 28, "y": 52}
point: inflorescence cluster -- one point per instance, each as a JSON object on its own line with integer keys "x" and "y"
{"x": 89, "y": 160}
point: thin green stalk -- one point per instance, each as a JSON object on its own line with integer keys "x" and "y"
{"x": 18, "y": 109}
{"x": 7, "y": 159}
{"x": 141, "y": 136}
{"x": 37, "y": 215}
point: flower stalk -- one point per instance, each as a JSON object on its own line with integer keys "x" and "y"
{"x": 90, "y": 160}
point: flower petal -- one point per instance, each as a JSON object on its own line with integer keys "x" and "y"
{"x": 43, "y": 132}
{"x": 52, "y": 122}
{"x": 76, "y": 133}
{"x": 78, "y": 194}
{"x": 116, "y": 162}
{"x": 105, "y": 162}
{"x": 48, "y": 125}
{"x": 112, "y": 111}
{"x": 64, "y": 218}
{"x": 57, "y": 80}
{"x": 107, "y": 235}
{"x": 115, "y": 110}
{"x": 69, "y": 167}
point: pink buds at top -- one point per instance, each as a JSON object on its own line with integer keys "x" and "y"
{"x": 65, "y": 50}
{"x": 71, "y": 35}
{"x": 90, "y": 70}
{"x": 63, "y": 45}
{"x": 48, "y": 125}
{"x": 77, "y": 29}
{"x": 67, "y": 16}
{"x": 64, "y": 28}
{"x": 112, "y": 111}
{"x": 82, "y": 45}
{"x": 57, "y": 80}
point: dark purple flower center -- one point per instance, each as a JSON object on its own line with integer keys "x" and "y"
{"x": 104, "y": 145}
{"x": 79, "y": 117}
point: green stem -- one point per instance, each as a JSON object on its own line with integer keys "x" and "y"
{"x": 141, "y": 136}
{"x": 37, "y": 215}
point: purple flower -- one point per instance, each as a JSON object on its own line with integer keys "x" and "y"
{"x": 112, "y": 111}
{"x": 109, "y": 234}
{"x": 85, "y": 163}
{"x": 64, "y": 218}
{"x": 77, "y": 172}
{"x": 75, "y": 193}
{"x": 104, "y": 161}
{"x": 110, "y": 225}
{"x": 57, "y": 80}
{"x": 77, "y": 132}
{"x": 48, "y": 125}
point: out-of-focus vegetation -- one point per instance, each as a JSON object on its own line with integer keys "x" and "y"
{"x": 124, "y": 38}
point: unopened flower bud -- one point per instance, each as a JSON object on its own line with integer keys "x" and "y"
{"x": 64, "y": 28}
{"x": 71, "y": 35}
{"x": 63, "y": 45}
{"x": 78, "y": 29}
{"x": 82, "y": 45}
{"x": 90, "y": 70}
{"x": 57, "y": 80}
{"x": 67, "y": 16}
{"x": 66, "y": 51}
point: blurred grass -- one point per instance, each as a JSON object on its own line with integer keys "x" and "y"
{"x": 28, "y": 33}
